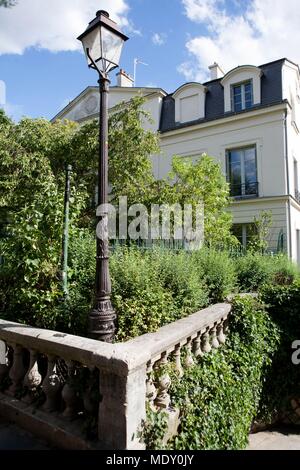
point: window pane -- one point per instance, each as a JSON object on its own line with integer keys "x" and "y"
{"x": 242, "y": 172}
{"x": 237, "y": 230}
{"x": 237, "y": 98}
{"x": 248, "y": 87}
{"x": 237, "y": 105}
{"x": 235, "y": 175}
{"x": 248, "y": 95}
{"x": 250, "y": 171}
{"x": 237, "y": 90}
{"x": 242, "y": 96}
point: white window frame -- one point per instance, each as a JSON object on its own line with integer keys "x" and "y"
{"x": 243, "y": 92}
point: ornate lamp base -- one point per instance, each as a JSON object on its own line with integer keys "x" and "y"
{"x": 102, "y": 321}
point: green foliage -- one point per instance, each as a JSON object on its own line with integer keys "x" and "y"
{"x": 283, "y": 380}
{"x": 201, "y": 182}
{"x": 151, "y": 289}
{"x": 261, "y": 232}
{"x": 31, "y": 200}
{"x": 253, "y": 270}
{"x": 219, "y": 396}
{"x": 130, "y": 168}
{"x": 130, "y": 146}
{"x": 217, "y": 270}
{"x": 33, "y": 155}
{"x": 154, "y": 429}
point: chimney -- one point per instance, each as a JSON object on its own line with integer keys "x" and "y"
{"x": 124, "y": 80}
{"x": 215, "y": 71}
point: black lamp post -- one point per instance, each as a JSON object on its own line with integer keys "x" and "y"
{"x": 102, "y": 43}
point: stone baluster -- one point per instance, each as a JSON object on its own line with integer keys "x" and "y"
{"x": 220, "y": 333}
{"x": 3, "y": 361}
{"x": 214, "y": 340}
{"x": 197, "y": 350}
{"x": 69, "y": 394}
{"x": 51, "y": 386}
{"x": 151, "y": 392}
{"x": 33, "y": 378}
{"x": 17, "y": 371}
{"x": 189, "y": 361}
{"x": 163, "y": 383}
{"x": 91, "y": 393}
{"x": 206, "y": 347}
{"x": 177, "y": 357}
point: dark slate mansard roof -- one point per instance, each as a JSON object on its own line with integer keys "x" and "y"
{"x": 271, "y": 94}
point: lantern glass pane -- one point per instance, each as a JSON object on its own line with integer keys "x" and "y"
{"x": 92, "y": 42}
{"x": 112, "y": 46}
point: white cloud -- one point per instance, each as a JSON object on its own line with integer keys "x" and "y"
{"x": 159, "y": 39}
{"x": 267, "y": 30}
{"x": 52, "y": 24}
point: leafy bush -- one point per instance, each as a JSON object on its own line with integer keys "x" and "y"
{"x": 217, "y": 270}
{"x": 151, "y": 289}
{"x": 253, "y": 270}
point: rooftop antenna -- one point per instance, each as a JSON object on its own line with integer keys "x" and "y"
{"x": 136, "y": 61}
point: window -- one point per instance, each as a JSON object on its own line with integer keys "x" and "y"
{"x": 242, "y": 172}
{"x": 242, "y": 88}
{"x": 244, "y": 233}
{"x": 242, "y": 96}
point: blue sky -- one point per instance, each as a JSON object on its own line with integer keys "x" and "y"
{"x": 43, "y": 68}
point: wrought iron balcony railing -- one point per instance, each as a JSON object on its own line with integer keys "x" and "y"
{"x": 297, "y": 195}
{"x": 247, "y": 190}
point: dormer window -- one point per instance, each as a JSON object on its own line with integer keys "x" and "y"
{"x": 189, "y": 102}
{"x": 242, "y": 88}
{"x": 242, "y": 96}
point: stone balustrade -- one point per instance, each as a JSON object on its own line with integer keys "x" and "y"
{"x": 65, "y": 388}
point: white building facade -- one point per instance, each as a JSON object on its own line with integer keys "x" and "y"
{"x": 248, "y": 120}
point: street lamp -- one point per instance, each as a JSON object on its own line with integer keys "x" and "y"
{"x": 102, "y": 43}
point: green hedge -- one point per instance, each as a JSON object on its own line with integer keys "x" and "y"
{"x": 254, "y": 270}
{"x": 149, "y": 288}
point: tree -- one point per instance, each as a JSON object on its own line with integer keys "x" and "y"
{"x": 33, "y": 155}
{"x": 31, "y": 199}
{"x": 203, "y": 181}
{"x": 130, "y": 148}
{"x": 261, "y": 227}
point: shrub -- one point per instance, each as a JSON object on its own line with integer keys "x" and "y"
{"x": 217, "y": 270}
{"x": 253, "y": 270}
{"x": 179, "y": 273}
{"x": 151, "y": 289}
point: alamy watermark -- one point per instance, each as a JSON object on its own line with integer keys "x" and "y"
{"x": 159, "y": 222}
{"x": 296, "y": 354}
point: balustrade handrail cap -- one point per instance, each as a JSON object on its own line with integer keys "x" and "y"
{"x": 177, "y": 332}
{"x": 121, "y": 358}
